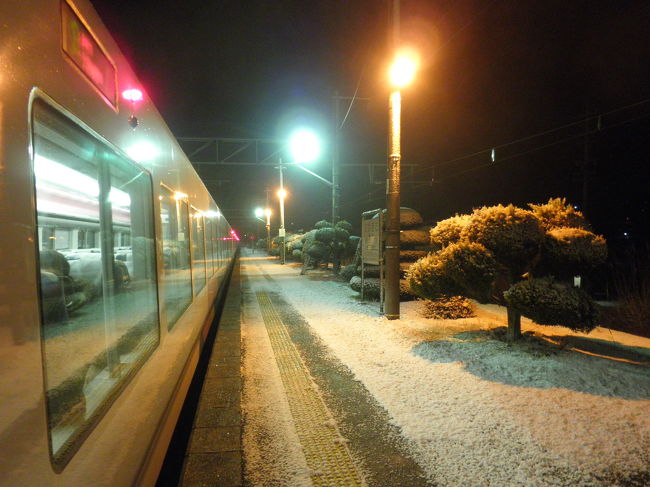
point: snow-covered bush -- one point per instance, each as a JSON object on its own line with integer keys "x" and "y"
{"x": 488, "y": 253}
{"x": 448, "y": 231}
{"x": 325, "y": 235}
{"x": 550, "y": 302}
{"x": 411, "y": 255}
{"x": 347, "y": 272}
{"x": 512, "y": 234}
{"x": 412, "y": 237}
{"x": 371, "y": 287}
{"x": 572, "y": 251}
{"x": 429, "y": 279}
{"x": 471, "y": 267}
{"x": 322, "y": 224}
{"x": 558, "y": 213}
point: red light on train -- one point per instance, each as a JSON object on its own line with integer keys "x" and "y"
{"x": 132, "y": 95}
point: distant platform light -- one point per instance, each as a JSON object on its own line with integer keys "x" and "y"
{"x": 132, "y": 95}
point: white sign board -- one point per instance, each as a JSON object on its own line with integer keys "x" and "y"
{"x": 282, "y": 233}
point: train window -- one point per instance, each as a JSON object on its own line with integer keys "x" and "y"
{"x": 97, "y": 274}
{"x": 208, "y": 246}
{"x": 198, "y": 251}
{"x": 177, "y": 278}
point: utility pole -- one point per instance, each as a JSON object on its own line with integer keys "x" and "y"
{"x": 391, "y": 308}
{"x": 336, "y": 153}
{"x": 336, "y": 161}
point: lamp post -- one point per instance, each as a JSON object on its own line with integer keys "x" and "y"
{"x": 401, "y": 74}
{"x": 259, "y": 213}
{"x": 267, "y": 212}
{"x": 304, "y": 147}
{"x": 282, "y": 194}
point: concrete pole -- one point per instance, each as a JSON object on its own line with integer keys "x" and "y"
{"x": 336, "y": 163}
{"x": 282, "y": 231}
{"x": 391, "y": 309}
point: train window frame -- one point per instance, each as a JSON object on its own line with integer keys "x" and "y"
{"x": 182, "y": 207}
{"x": 59, "y": 459}
{"x": 196, "y": 213}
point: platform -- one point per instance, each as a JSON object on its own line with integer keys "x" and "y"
{"x": 321, "y": 390}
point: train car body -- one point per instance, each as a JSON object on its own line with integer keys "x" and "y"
{"x": 112, "y": 253}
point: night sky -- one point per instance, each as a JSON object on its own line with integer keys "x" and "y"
{"x": 547, "y": 84}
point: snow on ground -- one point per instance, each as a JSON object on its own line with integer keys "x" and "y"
{"x": 478, "y": 411}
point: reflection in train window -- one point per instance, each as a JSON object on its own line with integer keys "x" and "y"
{"x": 177, "y": 279}
{"x": 97, "y": 273}
{"x": 198, "y": 251}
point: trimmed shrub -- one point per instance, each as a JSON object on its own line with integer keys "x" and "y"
{"x": 550, "y": 302}
{"x": 371, "y": 288}
{"x": 345, "y": 225}
{"x": 348, "y": 271}
{"x": 412, "y": 255}
{"x": 448, "y": 308}
{"x": 513, "y": 235}
{"x": 448, "y": 231}
{"x": 405, "y": 292}
{"x": 471, "y": 266}
{"x": 322, "y": 224}
{"x": 325, "y": 235}
{"x": 410, "y": 238}
{"x": 428, "y": 278}
{"x": 571, "y": 251}
{"x": 297, "y": 254}
{"x": 408, "y": 217}
{"x": 558, "y": 213}
{"x": 318, "y": 250}
{"x": 340, "y": 234}
{"x": 351, "y": 245}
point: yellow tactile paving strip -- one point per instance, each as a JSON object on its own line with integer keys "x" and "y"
{"x": 325, "y": 450}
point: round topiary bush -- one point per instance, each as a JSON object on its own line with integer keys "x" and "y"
{"x": 413, "y": 237}
{"x": 471, "y": 266}
{"x": 408, "y": 217}
{"x": 351, "y": 245}
{"x": 371, "y": 287}
{"x": 322, "y": 224}
{"x": 412, "y": 255}
{"x": 345, "y": 225}
{"x": 297, "y": 254}
{"x": 571, "y": 251}
{"x": 348, "y": 271}
{"x": 341, "y": 234}
{"x": 428, "y": 278}
{"x": 325, "y": 235}
{"x": 318, "y": 250}
{"x": 448, "y": 231}
{"x": 558, "y": 213}
{"x": 513, "y": 235}
{"x": 550, "y": 302}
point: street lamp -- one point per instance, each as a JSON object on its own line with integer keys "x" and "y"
{"x": 267, "y": 212}
{"x": 304, "y": 146}
{"x": 259, "y": 213}
{"x": 402, "y": 73}
{"x": 282, "y": 194}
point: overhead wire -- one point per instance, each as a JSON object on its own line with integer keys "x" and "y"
{"x": 523, "y": 139}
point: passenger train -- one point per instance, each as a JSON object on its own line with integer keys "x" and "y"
{"x": 112, "y": 255}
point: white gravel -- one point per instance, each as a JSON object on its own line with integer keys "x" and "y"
{"x": 477, "y": 411}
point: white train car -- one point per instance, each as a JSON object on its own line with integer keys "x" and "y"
{"x": 112, "y": 254}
